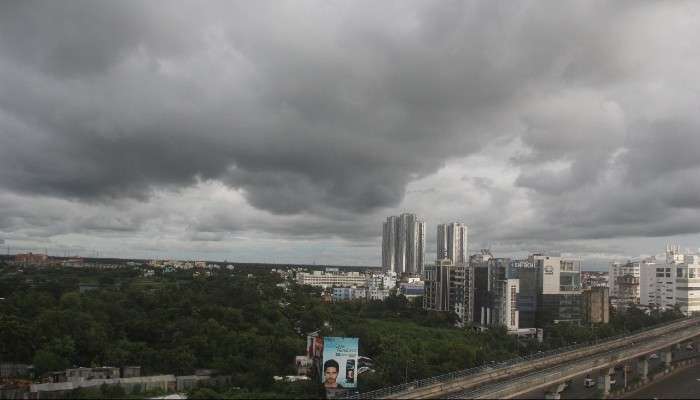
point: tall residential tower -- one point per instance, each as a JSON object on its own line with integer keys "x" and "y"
{"x": 403, "y": 244}
{"x": 452, "y": 242}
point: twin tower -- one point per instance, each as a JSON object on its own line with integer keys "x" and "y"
{"x": 403, "y": 244}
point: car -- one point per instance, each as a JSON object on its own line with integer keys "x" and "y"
{"x": 689, "y": 347}
{"x": 612, "y": 379}
{"x": 653, "y": 356}
{"x": 588, "y": 382}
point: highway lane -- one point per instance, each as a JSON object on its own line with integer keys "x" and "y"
{"x": 577, "y": 390}
{"x": 459, "y": 382}
{"x": 586, "y": 365}
{"x": 681, "y": 385}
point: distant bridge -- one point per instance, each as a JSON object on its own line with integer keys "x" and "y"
{"x": 548, "y": 370}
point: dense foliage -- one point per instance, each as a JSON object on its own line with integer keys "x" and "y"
{"x": 632, "y": 319}
{"x": 242, "y": 323}
{"x": 232, "y": 323}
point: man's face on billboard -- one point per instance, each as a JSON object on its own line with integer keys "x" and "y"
{"x": 331, "y": 375}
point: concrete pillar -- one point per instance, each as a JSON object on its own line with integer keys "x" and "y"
{"x": 667, "y": 357}
{"x": 604, "y": 380}
{"x": 643, "y": 368}
{"x": 555, "y": 391}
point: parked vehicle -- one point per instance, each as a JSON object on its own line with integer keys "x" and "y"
{"x": 689, "y": 346}
{"x": 653, "y": 356}
{"x": 588, "y": 382}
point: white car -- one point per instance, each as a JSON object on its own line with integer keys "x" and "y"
{"x": 689, "y": 347}
{"x": 653, "y": 356}
{"x": 588, "y": 382}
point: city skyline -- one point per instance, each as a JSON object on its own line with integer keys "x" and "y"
{"x": 286, "y": 132}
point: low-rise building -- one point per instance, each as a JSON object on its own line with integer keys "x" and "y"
{"x": 331, "y": 279}
{"x": 81, "y": 373}
{"x": 412, "y": 289}
{"x": 377, "y": 293}
{"x": 131, "y": 371}
{"x": 63, "y": 389}
{"x": 31, "y": 259}
{"x": 349, "y": 293}
{"x": 11, "y": 370}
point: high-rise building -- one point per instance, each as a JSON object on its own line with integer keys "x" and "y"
{"x": 673, "y": 284}
{"x": 479, "y": 264}
{"x": 449, "y": 287}
{"x": 549, "y": 289}
{"x": 452, "y": 242}
{"x": 496, "y": 294}
{"x": 403, "y": 244}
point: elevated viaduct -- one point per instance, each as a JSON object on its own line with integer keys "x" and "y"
{"x": 548, "y": 370}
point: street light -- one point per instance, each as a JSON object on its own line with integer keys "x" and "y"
{"x": 406, "y": 370}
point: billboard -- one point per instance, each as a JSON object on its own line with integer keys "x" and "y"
{"x": 339, "y": 362}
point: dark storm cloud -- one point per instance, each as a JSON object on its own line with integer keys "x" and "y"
{"x": 322, "y": 113}
{"x": 116, "y": 97}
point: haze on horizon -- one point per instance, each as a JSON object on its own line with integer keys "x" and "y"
{"x": 286, "y": 131}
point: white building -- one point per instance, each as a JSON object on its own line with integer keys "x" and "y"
{"x": 403, "y": 244}
{"x": 452, "y": 242}
{"x": 647, "y": 280}
{"x": 507, "y": 309}
{"x": 384, "y": 281}
{"x": 359, "y": 293}
{"x": 675, "y": 283}
{"x": 376, "y": 293}
{"x": 687, "y": 289}
{"x": 332, "y": 279}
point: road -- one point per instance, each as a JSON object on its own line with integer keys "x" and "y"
{"x": 578, "y": 391}
{"x": 681, "y": 385}
{"x": 517, "y": 376}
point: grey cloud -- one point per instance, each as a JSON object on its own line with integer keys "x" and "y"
{"x": 321, "y": 114}
{"x": 77, "y": 38}
{"x": 348, "y": 119}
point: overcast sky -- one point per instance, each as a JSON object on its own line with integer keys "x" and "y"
{"x": 287, "y": 131}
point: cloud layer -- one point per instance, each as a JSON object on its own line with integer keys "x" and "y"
{"x": 239, "y": 125}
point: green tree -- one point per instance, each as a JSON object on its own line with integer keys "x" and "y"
{"x": 203, "y": 393}
{"x": 56, "y": 355}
